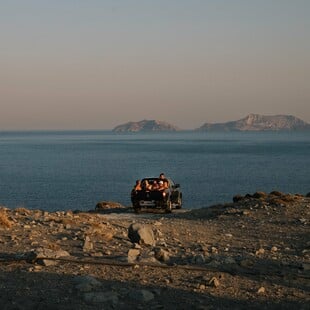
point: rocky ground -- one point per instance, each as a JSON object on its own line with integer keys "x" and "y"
{"x": 252, "y": 253}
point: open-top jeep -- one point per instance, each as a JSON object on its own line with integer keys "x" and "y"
{"x": 149, "y": 196}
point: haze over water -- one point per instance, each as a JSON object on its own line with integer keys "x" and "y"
{"x": 75, "y": 170}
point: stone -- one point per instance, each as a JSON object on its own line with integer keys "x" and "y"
{"x": 133, "y": 255}
{"x": 107, "y": 205}
{"x": 142, "y": 296}
{"x": 214, "y": 250}
{"x": 306, "y": 266}
{"x": 237, "y": 198}
{"x": 214, "y": 282}
{"x": 246, "y": 263}
{"x": 259, "y": 195}
{"x": 88, "y": 245}
{"x": 261, "y": 290}
{"x": 260, "y": 252}
{"x": 86, "y": 283}
{"x": 274, "y": 249}
{"x": 199, "y": 259}
{"x": 109, "y": 297}
{"x": 140, "y": 233}
{"x": 47, "y": 257}
{"x": 229, "y": 260}
{"x": 161, "y": 255}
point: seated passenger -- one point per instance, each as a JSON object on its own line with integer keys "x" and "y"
{"x": 155, "y": 186}
{"x": 138, "y": 186}
{"x": 146, "y": 185}
{"x": 161, "y": 185}
{"x": 166, "y": 183}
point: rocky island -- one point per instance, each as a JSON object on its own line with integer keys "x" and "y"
{"x": 257, "y": 122}
{"x": 146, "y": 126}
{"x": 252, "y": 253}
{"x": 252, "y": 122}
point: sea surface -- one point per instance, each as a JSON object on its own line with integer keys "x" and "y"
{"x": 75, "y": 170}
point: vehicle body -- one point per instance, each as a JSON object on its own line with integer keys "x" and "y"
{"x": 167, "y": 199}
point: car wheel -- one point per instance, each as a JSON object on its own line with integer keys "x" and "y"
{"x": 179, "y": 203}
{"x": 137, "y": 208}
{"x": 169, "y": 207}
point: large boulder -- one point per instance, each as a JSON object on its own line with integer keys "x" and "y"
{"x": 108, "y": 205}
{"x": 141, "y": 233}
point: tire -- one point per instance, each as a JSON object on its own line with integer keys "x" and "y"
{"x": 179, "y": 203}
{"x": 137, "y": 208}
{"x": 168, "y": 207}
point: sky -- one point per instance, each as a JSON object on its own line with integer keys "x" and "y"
{"x": 95, "y": 64}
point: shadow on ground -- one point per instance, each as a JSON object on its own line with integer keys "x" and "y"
{"x": 21, "y": 289}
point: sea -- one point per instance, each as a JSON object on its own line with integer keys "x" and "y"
{"x": 73, "y": 170}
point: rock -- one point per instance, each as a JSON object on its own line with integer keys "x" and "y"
{"x": 88, "y": 245}
{"x": 237, "y": 198}
{"x": 140, "y": 233}
{"x": 229, "y": 260}
{"x": 133, "y": 255}
{"x": 274, "y": 249}
{"x": 141, "y": 296}
{"x": 214, "y": 250}
{"x": 260, "y": 252}
{"x": 214, "y": 282}
{"x": 306, "y": 266}
{"x": 246, "y": 263}
{"x": 46, "y": 257}
{"x": 107, "y": 205}
{"x": 259, "y": 195}
{"x": 214, "y": 263}
{"x": 161, "y": 255}
{"x": 199, "y": 259}
{"x": 86, "y": 283}
{"x": 109, "y": 297}
{"x": 276, "y": 193}
{"x": 261, "y": 290}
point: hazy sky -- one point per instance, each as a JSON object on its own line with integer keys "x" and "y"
{"x": 76, "y": 64}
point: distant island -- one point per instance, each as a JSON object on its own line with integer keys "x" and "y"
{"x": 257, "y": 122}
{"x": 252, "y": 122}
{"x": 146, "y": 126}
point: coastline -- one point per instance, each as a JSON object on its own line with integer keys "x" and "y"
{"x": 253, "y": 252}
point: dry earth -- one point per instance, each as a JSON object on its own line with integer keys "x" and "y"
{"x": 253, "y": 253}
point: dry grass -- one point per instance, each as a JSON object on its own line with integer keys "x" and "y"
{"x": 4, "y": 220}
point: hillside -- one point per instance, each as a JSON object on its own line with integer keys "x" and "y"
{"x": 256, "y": 122}
{"x": 145, "y": 126}
{"x": 250, "y": 254}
